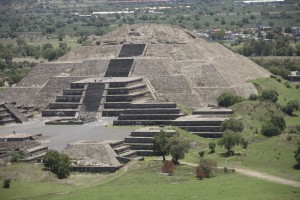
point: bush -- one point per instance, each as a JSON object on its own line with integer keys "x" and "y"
{"x": 168, "y": 167}
{"x": 200, "y": 173}
{"x": 232, "y": 124}
{"x": 279, "y": 122}
{"x": 212, "y": 146}
{"x": 227, "y": 99}
{"x": 253, "y": 97}
{"x": 290, "y": 107}
{"x": 57, "y": 163}
{"x": 269, "y": 95}
{"x": 269, "y": 129}
{"x": 16, "y": 157}
{"x": 244, "y": 143}
{"x": 206, "y": 168}
{"x": 6, "y": 183}
{"x": 201, "y": 154}
{"x": 297, "y": 154}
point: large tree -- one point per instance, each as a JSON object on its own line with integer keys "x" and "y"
{"x": 229, "y": 140}
{"x": 160, "y": 144}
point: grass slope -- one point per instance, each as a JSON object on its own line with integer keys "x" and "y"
{"x": 143, "y": 181}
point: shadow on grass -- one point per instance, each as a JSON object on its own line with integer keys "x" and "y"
{"x": 297, "y": 167}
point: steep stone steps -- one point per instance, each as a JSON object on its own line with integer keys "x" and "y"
{"x": 126, "y": 98}
{"x": 92, "y": 98}
{"x": 132, "y": 50}
{"x": 19, "y": 117}
{"x": 119, "y": 68}
{"x": 131, "y": 139}
{"x": 141, "y": 146}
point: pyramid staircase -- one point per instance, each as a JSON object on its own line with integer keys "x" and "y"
{"x": 124, "y": 152}
{"x": 12, "y": 113}
{"x": 67, "y": 104}
{"x": 148, "y": 114}
{"x": 35, "y": 154}
{"x": 122, "y": 93}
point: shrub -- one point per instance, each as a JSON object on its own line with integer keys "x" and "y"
{"x": 200, "y": 172}
{"x": 253, "y": 97}
{"x": 244, "y": 143}
{"x": 212, "y": 146}
{"x": 297, "y": 153}
{"x": 201, "y": 154}
{"x": 206, "y": 168}
{"x": 269, "y": 95}
{"x": 290, "y": 107}
{"x": 269, "y": 129}
{"x": 227, "y": 99}
{"x": 232, "y": 124}
{"x": 57, "y": 163}
{"x": 229, "y": 140}
{"x": 16, "y": 157}
{"x": 6, "y": 183}
{"x": 279, "y": 122}
{"x": 287, "y": 85}
{"x": 168, "y": 167}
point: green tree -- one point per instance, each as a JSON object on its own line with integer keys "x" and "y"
{"x": 51, "y": 160}
{"x": 229, "y": 140}
{"x": 178, "y": 148}
{"x": 212, "y": 146}
{"x": 232, "y": 124}
{"x": 160, "y": 144}
{"x": 227, "y": 99}
{"x": 269, "y": 95}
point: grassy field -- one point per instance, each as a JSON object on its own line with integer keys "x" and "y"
{"x": 142, "y": 180}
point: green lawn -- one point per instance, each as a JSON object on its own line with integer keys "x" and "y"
{"x": 144, "y": 181}
{"x": 293, "y": 120}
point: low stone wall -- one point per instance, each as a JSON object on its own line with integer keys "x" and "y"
{"x": 93, "y": 169}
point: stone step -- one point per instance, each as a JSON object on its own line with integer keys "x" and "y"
{"x": 152, "y": 105}
{"x": 7, "y": 120}
{"x": 122, "y": 149}
{"x": 142, "y": 122}
{"x": 36, "y": 149}
{"x": 60, "y": 112}
{"x": 145, "y": 152}
{"x": 35, "y": 157}
{"x": 125, "y": 83}
{"x": 152, "y": 111}
{"x": 128, "y": 154}
{"x": 126, "y": 90}
{"x": 73, "y": 91}
{"x": 116, "y": 143}
{"x": 119, "y": 68}
{"x": 116, "y": 105}
{"x": 209, "y": 134}
{"x": 149, "y": 116}
{"x": 126, "y": 98}
{"x": 77, "y": 85}
{"x": 204, "y": 122}
{"x": 150, "y": 134}
{"x": 130, "y": 140}
{"x": 213, "y": 111}
{"x": 4, "y": 115}
{"x": 68, "y": 98}
{"x": 112, "y": 112}
{"x": 141, "y": 146}
{"x": 64, "y": 105}
{"x": 201, "y": 128}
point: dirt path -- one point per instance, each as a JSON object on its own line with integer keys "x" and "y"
{"x": 260, "y": 175}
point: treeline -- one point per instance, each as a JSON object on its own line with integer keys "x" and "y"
{"x": 22, "y": 49}
{"x": 280, "y": 67}
{"x": 282, "y": 46}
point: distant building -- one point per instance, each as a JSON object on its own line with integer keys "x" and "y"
{"x": 258, "y": 2}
